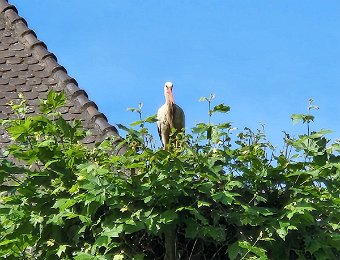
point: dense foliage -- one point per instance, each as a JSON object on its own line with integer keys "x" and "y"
{"x": 213, "y": 197}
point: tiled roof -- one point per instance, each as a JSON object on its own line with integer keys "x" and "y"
{"x": 26, "y": 66}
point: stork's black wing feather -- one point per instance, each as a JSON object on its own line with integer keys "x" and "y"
{"x": 159, "y": 131}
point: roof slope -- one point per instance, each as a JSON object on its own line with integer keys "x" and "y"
{"x": 26, "y": 66}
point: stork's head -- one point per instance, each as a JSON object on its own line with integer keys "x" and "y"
{"x": 168, "y": 92}
{"x": 168, "y": 86}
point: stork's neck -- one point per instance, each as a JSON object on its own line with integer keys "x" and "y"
{"x": 169, "y": 98}
{"x": 169, "y": 102}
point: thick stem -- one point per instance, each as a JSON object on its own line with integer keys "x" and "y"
{"x": 170, "y": 243}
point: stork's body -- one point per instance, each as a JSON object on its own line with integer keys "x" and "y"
{"x": 169, "y": 116}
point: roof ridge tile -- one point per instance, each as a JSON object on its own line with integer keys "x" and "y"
{"x": 12, "y": 15}
{"x": 4, "y": 5}
{"x": 85, "y": 102}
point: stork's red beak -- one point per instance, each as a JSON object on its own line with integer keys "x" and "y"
{"x": 169, "y": 91}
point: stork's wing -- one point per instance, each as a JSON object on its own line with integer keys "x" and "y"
{"x": 159, "y": 128}
{"x": 179, "y": 118}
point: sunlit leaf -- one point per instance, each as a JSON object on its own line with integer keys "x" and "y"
{"x": 221, "y": 108}
{"x": 61, "y": 250}
{"x": 151, "y": 119}
{"x": 54, "y": 100}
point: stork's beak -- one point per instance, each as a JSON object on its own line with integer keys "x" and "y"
{"x": 170, "y": 95}
{"x": 169, "y": 91}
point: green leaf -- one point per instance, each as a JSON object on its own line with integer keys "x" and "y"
{"x": 195, "y": 213}
{"x": 54, "y": 100}
{"x": 300, "y": 208}
{"x": 224, "y": 197}
{"x": 8, "y": 241}
{"x": 123, "y": 127}
{"x": 138, "y": 257}
{"x": 216, "y": 233}
{"x": 314, "y": 246}
{"x": 224, "y": 126}
{"x": 200, "y": 128}
{"x": 205, "y": 187}
{"x": 203, "y": 203}
{"x": 151, "y": 119}
{"x": 63, "y": 204}
{"x": 114, "y": 231}
{"x": 135, "y": 227}
{"x": 234, "y": 250}
{"x": 137, "y": 165}
{"x": 234, "y": 184}
{"x": 168, "y": 216}
{"x": 265, "y": 211}
{"x": 296, "y": 118}
{"x": 320, "y": 133}
{"x": 148, "y": 199}
{"x": 66, "y": 129}
{"x": 335, "y": 226}
{"x": 305, "y": 118}
{"x": 36, "y": 219}
{"x": 85, "y": 256}
{"x": 221, "y": 108}
{"x": 191, "y": 229}
{"x": 284, "y": 229}
{"x": 118, "y": 257}
{"x": 61, "y": 249}
{"x": 139, "y": 122}
{"x": 260, "y": 252}
{"x": 22, "y": 130}
{"x": 131, "y": 109}
{"x": 102, "y": 241}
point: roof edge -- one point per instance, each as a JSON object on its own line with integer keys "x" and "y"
{"x": 41, "y": 53}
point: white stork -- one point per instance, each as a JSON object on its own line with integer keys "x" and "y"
{"x": 169, "y": 116}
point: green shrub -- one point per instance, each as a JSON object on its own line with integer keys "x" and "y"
{"x": 213, "y": 197}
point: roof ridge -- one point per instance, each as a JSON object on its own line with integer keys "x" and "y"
{"x": 59, "y": 73}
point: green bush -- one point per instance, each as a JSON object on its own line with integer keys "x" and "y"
{"x": 213, "y": 197}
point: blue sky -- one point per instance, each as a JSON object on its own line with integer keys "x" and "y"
{"x": 263, "y": 58}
